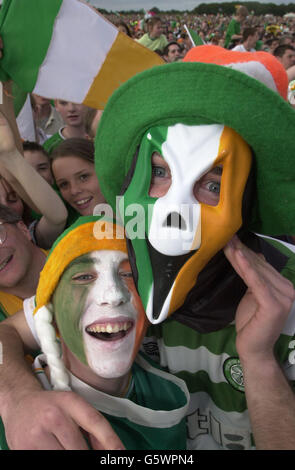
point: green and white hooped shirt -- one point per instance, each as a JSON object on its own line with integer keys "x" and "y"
{"x": 152, "y": 414}
{"x": 150, "y": 417}
{"x": 209, "y": 364}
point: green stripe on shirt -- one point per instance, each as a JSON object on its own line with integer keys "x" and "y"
{"x": 176, "y": 334}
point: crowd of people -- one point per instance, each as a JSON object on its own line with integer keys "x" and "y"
{"x": 223, "y": 30}
{"x": 214, "y": 323}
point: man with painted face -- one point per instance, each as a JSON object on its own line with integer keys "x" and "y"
{"x": 196, "y": 168}
{"x": 86, "y": 290}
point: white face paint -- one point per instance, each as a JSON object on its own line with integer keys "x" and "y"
{"x": 109, "y": 309}
{"x": 190, "y": 152}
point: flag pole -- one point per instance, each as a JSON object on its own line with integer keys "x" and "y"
{"x": 189, "y": 35}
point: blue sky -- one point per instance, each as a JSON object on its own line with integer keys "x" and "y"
{"x": 161, "y": 4}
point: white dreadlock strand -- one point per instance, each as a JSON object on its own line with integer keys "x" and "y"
{"x": 59, "y": 377}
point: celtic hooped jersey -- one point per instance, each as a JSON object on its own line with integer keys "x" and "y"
{"x": 150, "y": 417}
{"x": 208, "y": 362}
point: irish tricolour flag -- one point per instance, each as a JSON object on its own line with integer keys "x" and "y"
{"x": 65, "y": 49}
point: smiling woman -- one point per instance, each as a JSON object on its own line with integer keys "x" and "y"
{"x": 74, "y": 173}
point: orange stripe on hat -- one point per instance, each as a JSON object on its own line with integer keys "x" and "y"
{"x": 82, "y": 239}
{"x": 260, "y": 65}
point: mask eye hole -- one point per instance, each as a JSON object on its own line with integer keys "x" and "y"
{"x": 161, "y": 176}
{"x": 207, "y": 189}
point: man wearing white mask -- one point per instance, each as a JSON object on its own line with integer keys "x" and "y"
{"x": 207, "y": 171}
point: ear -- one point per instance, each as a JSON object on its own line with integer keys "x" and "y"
{"x": 24, "y": 229}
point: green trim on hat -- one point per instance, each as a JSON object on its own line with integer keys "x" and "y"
{"x": 199, "y": 93}
{"x": 85, "y": 219}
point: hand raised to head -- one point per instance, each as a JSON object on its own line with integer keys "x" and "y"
{"x": 265, "y": 307}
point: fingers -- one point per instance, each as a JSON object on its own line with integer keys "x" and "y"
{"x": 83, "y": 415}
{"x": 67, "y": 433}
{"x": 59, "y": 420}
{"x": 258, "y": 275}
{"x": 101, "y": 433}
{"x": 263, "y": 310}
{"x": 97, "y": 445}
{"x": 44, "y": 442}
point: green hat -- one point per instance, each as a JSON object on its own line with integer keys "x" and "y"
{"x": 225, "y": 90}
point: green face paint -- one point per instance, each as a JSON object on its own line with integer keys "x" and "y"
{"x": 142, "y": 211}
{"x": 69, "y": 303}
{"x": 97, "y": 313}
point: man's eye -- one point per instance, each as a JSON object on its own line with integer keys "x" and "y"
{"x": 126, "y": 274}
{"x": 213, "y": 187}
{"x": 83, "y": 278}
{"x": 158, "y": 172}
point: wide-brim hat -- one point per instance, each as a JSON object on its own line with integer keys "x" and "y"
{"x": 244, "y": 91}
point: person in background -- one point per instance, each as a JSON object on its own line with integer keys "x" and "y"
{"x": 72, "y": 164}
{"x": 32, "y": 189}
{"x": 154, "y": 39}
{"x": 172, "y": 52}
{"x": 233, "y": 32}
{"x": 185, "y": 42}
{"x": 170, "y": 36}
{"x": 286, "y": 40}
{"x": 250, "y": 38}
{"x": 21, "y": 262}
{"x": 46, "y": 116}
{"x": 286, "y": 55}
{"x": 73, "y": 116}
{"x": 270, "y": 44}
{"x": 123, "y": 27}
{"x": 38, "y": 158}
{"x": 92, "y": 118}
{"x": 10, "y": 199}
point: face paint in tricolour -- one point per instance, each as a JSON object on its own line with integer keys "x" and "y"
{"x": 98, "y": 312}
{"x": 169, "y": 259}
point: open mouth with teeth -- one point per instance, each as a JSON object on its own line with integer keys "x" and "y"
{"x": 84, "y": 201}
{"x": 5, "y": 262}
{"x": 110, "y": 331}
